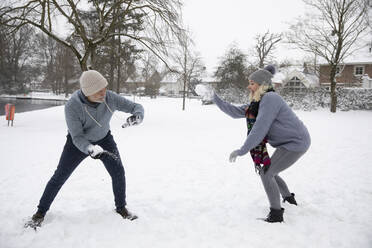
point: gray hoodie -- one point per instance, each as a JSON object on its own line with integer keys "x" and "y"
{"x": 89, "y": 122}
{"x": 275, "y": 119}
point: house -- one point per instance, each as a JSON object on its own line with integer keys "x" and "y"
{"x": 210, "y": 80}
{"x": 166, "y": 83}
{"x": 295, "y": 80}
{"x": 351, "y": 72}
{"x": 133, "y": 86}
{"x": 153, "y": 85}
{"x": 171, "y": 84}
{"x": 367, "y": 82}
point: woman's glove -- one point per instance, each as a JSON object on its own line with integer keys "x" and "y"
{"x": 261, "y": 170}
{"x": 233, "y": 156}
{"x": 95, "y": 151}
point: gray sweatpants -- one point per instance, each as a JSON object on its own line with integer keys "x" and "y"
{"x": 273, "y": 184}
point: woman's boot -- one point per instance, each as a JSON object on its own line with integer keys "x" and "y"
{"x": 275, "y": 215}
{"x": 291, "y": 199}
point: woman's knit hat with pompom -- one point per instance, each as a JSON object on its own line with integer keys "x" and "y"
{"x": 263, "y": 76}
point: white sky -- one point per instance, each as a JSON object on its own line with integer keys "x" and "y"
{"x": 216, "y": 24}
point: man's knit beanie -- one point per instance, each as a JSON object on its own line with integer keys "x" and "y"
{"x": 91, "y": 82}
{"x": 263, "y": 76}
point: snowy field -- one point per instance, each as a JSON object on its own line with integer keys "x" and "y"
{"x": 183, "y": 188}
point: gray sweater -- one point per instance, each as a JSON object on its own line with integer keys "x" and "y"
{"x": 275, "y": 119}
{"x": 89, "y": 122}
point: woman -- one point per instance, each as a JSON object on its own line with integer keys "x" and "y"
{"x": 269, "y": 119}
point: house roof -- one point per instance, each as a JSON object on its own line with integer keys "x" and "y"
{"x": 309, "y": 80}
{"x": 170, "y": 78}
{"x": 284, "y": 75}
{"x": 131, "y": 80}
{"x": 361, "y": 56}
{"x": 208, "y": 78}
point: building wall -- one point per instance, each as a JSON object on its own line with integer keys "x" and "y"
{"x": 347, "y": 77}
{"x": 130, "y": 87}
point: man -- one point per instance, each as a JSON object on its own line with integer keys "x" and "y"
{"x": 88, "y": 114}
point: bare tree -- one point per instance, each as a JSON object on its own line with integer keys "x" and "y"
{"x": 149, "y": 64}
{"x": 115, "y": 57}
{"x": 66, "y": 69}
{"x": 16, "y": 50}
{"x": 57, "y": 64}
{"x": 46, "y": 53}
{"x": 265, "y": 46}
{"x": 331, "y": 32}
{"x": 159, "y": 19}
{"x": 187, "y": 64}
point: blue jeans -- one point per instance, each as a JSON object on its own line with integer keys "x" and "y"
{"x": 71, "y": 157}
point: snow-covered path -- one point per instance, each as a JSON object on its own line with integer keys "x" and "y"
{"x": 183, "y": 188}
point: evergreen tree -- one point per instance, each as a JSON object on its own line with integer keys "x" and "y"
{"x": 232, "y": 70}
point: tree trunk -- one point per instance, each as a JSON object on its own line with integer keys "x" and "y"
{"x": 184, "y": 93}
{"x": 83, "y": 65}
{"x": 54, "y": 86}
{"x": 59, "y": 83}
{"x": 93, "y": 59}
{"x": 184, "y": 83}
{"x": 118, "y": 66}
{"x": 111, "y": 77}
{"x": 111, "y": 62}
{"x": 118, "y": 80}
{"x": 261, "y": 63}
{"x": 333, "y": 89}
{"x": 84, "y": 60}
{"x": 66, "y": 83}
{"x": 333, "y": 97}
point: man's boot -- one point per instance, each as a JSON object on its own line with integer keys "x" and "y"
{"x": 126, "y": 214}
{"x": 35, "y": 221}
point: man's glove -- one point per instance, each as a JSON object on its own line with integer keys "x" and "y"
{"x": 132, "y": 120}
{"x": 233, "y": 156}
{"x": 95, "y": 151}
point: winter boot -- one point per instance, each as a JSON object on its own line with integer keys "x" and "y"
{"x": 290, "y": 199}
{"x": 275, "y": 215}
{"x": 35, "y": 221}
{"x": 126, "y": 214}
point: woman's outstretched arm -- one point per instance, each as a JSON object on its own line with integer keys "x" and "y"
{"x": 228, "y": 108}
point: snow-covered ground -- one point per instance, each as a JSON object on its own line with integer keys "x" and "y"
{"x": 183, "y": 188}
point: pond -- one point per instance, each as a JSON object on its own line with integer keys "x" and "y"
{"x": 24, "y": 105}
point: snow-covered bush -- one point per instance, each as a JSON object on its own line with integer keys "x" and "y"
{"x": 347, "y": 98}
{"x": 354, "y": 99}
{"x": 234, "y": 95}
{"x": 311, "y": 100}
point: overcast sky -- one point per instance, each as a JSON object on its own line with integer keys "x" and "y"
{"x": 216, "y": 24}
